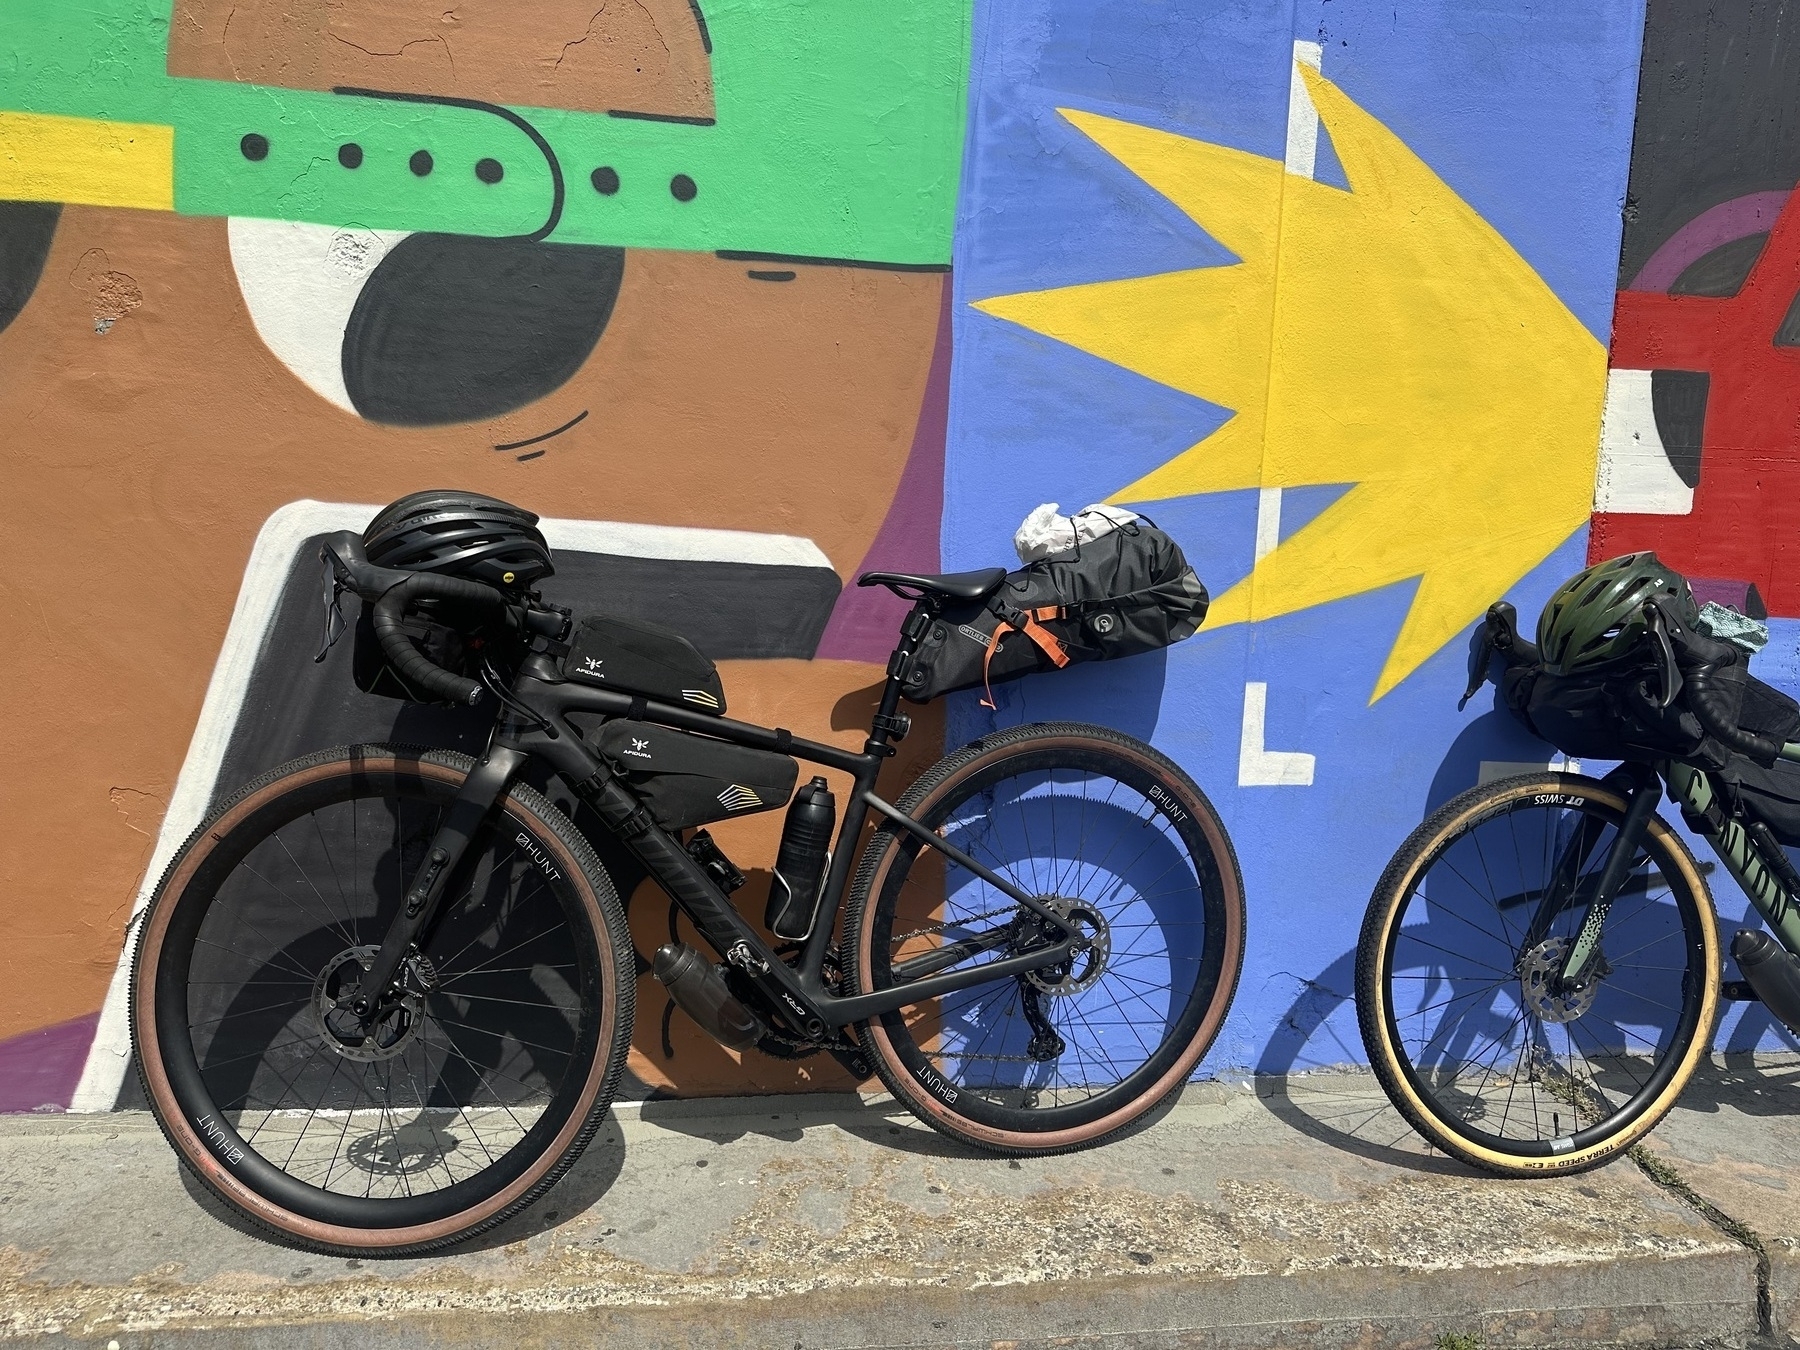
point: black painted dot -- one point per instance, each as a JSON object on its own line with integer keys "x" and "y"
{"x": 682, "y": 188}
{"x": 605, "y": 180}
{"x": 255, "y": 146}
{"x": 490, "y": 171}
{"x": 420, "y": 163}
{"x": 350, "y": 155}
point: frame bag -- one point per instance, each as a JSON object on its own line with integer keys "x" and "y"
{"x": 643, "y": 658}
{"x": 688, "y": 780}
{"x": 1771, "y": 795}
{"x": 1129, "y": 591}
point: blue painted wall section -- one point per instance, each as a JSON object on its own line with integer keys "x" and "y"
{"x": 1525, "y": 113}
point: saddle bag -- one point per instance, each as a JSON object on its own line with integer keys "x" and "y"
{"x": 686, "y": 780}
{"x": 1128, "y": 591}
{"x": 643, "y": 658}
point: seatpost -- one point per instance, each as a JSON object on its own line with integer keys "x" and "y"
{"x": 889, "y": 723}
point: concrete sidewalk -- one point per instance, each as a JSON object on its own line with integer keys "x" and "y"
{"x": 1297, "y": 1214}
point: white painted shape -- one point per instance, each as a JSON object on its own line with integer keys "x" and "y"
{"x": 1303, "y": 118}
{"x": 1634, "y": 473}
{"x": 1494, "y": 769}
{"x": 682, "y": 543}
{"x": 259, "y": 598}
{"x": 1268, "y": 521}
{"x": 1258, "y": 767}
{"x": 300, "y": 282}
{"x": 1300, "y": 159}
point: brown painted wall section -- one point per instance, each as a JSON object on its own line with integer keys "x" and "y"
{"x": 142, "y": 462}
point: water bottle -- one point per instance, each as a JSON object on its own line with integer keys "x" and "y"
{"x": 800, "y": 865}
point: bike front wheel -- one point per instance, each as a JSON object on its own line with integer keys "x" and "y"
{"x": 469, "y": 1096}
{"x": 1113, "y": 836}
{"x": 1458, "y": 977}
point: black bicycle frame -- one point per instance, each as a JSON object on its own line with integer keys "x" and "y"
{"x": 534, "y": 724}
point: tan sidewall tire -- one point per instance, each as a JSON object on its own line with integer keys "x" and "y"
{"x": 1375, "y": 1024}
{"x": 899, "y": 1078}
{"x": 207, "y": 1166}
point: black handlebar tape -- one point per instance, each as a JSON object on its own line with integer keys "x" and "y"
{"x": 413, "y": 666}
{"x": 1713, "y": 712}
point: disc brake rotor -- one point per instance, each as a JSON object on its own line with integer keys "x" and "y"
{"x": 340, "y": 984}
{"x": 1539, "y": 973}
{"x": 1087, "y": 962}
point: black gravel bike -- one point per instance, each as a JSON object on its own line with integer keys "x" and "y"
{"x": 383, "y": 995}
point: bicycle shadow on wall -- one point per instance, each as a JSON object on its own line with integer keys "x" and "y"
{"x": 1023, "y": 1042}
{"x": 1301, "y": 1073}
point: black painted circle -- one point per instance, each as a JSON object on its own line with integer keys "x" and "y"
{"x": 605, "y": 180}
{"x": 255, "y": 146}
{"x": 350, "y": 155}
{"x": 490, "y": 171}
{"x": 420, "y": 163}
{"x": 682, "y": 188}
{"x": 454, "y": 328}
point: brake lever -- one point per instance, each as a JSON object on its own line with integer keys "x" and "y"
{"x": 334, "y": 611}
{"x": 1484, "y": 643}
{"x": 1481, "y": 651}
{"x": 1669, "y": 669}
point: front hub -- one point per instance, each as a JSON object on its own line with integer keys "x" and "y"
{"x": 394, "y": 1022}
{"x": 1541, "y": 983}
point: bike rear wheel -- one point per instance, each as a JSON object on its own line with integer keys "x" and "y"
{"x": 466, "y": 1100}
{"x": 1457, "y": 986}
{"x": 1113, "y": 835}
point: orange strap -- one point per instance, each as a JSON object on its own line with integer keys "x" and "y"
{"x": 1032, "y": 629}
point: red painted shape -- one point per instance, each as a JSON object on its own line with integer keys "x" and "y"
{"x": 1746, "y": 518}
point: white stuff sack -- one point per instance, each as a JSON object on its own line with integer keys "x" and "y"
{"x": 1044, "y": 532}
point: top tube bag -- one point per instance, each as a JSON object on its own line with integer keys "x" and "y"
{"x": 1128, "y": 591}
{"x": 643, "y": 658}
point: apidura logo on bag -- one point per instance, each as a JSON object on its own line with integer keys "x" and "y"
{"x": 639, "y": 749}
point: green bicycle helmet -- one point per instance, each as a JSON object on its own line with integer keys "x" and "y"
{"x": 1597, "y": 615}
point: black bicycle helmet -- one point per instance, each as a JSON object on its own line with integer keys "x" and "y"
{"x": 1597, "y": 615}
{"x": 462, "y": 534}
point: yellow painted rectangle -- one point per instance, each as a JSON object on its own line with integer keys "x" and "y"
{"x": 44, "y": 158}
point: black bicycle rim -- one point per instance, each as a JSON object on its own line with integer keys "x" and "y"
{"x": 1642, "y": 891}
{"x": 196, "y": 1084}
{"x": 1191, "y": 906}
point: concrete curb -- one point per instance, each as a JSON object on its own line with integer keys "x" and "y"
{"x": 1301, "y": 1214}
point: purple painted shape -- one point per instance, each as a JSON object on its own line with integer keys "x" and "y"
{"x": 1723, "y": 224}
{"x": 866, "y": 622}
{"x": 1731, "y": 594}
{"x": 39, "y": 1070}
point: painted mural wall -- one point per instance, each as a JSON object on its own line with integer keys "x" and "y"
{"x": 1326, "y": 289}
{"x": 746, "y": 296}
{"x": 264, "y": 266}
